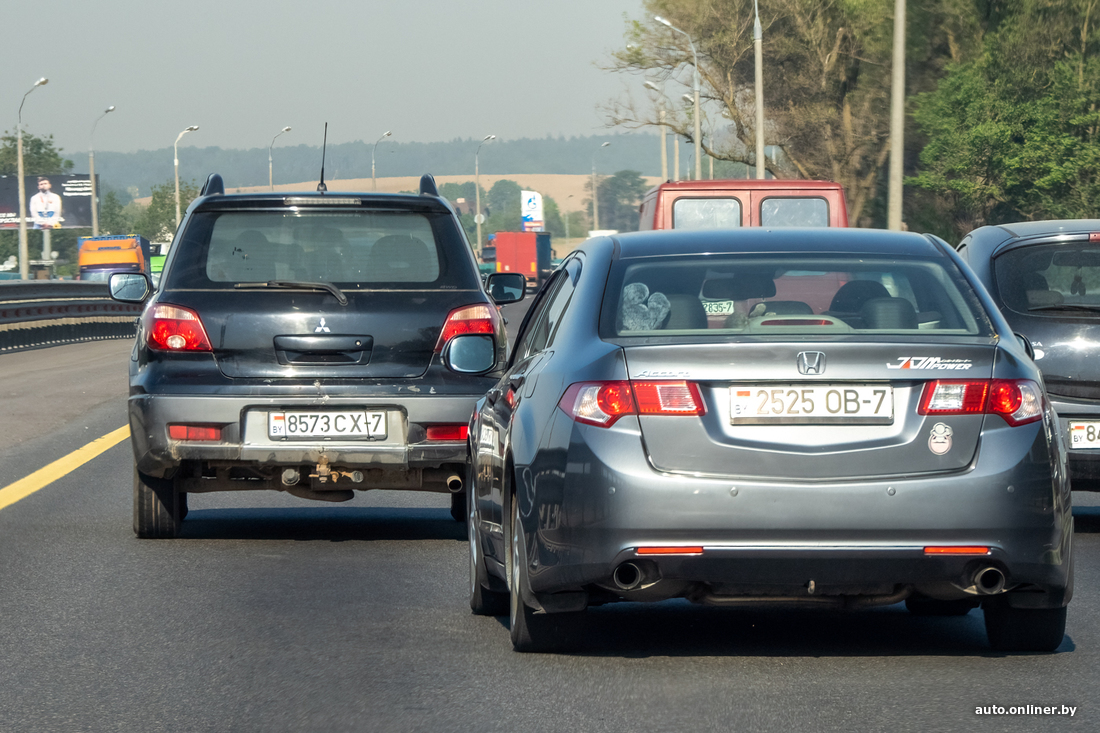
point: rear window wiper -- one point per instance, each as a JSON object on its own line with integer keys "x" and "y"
{"x": 304, "y": 284}
{"x": 1066, "y": 307}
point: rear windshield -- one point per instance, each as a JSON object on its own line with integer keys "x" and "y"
{"x": 364, "y": 249}
{"x": 1050, "y": 279}
{"x": 788, "y": 294}
{"x": 707, "y": 213}
{"x": 789, "y": 211}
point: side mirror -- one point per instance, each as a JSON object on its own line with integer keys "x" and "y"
{"x": 129, "y": 287}
{"x": 506, "y": 287}
{"x": 1026, "y": 343}
{"x": 470, "y": 354}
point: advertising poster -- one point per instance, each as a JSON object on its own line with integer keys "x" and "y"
{"x": 531, "y": 209}
{"x": 53, "y": 202}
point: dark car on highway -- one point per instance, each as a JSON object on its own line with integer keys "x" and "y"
{"x": 1045, "y": 277}
{"x": 827, "y": 418}
{"x": 312, "y": 343}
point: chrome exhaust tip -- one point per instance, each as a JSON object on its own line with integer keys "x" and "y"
{"x": 454, "y": 483}
{"x": 627, "y": 576}
{"x": 989, "y": 580}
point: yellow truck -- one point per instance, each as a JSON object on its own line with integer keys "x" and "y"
{"x": 100, "y": 256}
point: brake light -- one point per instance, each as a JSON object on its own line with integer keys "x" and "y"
{"x": 173, "y": 328}
{"x": 694, "y": 550}
{"x": 1018, "y": 401}
{"x": 957, "y": 550}
{"x": 798, "y": 322}
{"x": 602, "y": 403}
{"x": 194, "y": 432}
{"x": 480, "y": 318}
{"x": 448, "y": 432}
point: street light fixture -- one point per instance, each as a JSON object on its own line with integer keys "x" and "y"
{"x": 91, "y": 170}
{"x": 664, "y": 131}
{"x": 373, "y": 181}
{"x": 595, "y": 197}
{"x": 479, "y": 217}
{"x": 24, "y": 269}
{"x": 695, "y": 88}
{"x": 270, "y": 179}
{"x": 176, "y": 149}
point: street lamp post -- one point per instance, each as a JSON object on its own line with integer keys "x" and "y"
{"x": 24, "y": 268}
{"x": 695, "y": 89}
{"x": 270, "y": 178}
{"x": 661, "y": 120}
{"x": 567, "y": 218}
{"x": 595, "y": 196}
{"x": 176, "y": 150}
{"x": 479, "y": 217}
{"x": 373, "y": 181}
{"x": 758, "y": 52}
{"x": 897, "y": 121}
{"x": 91, "y": 171}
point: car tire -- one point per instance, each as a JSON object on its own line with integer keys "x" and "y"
{"x": 483, "y": 600}
{"x": 532, "y": 631}
{"x": 158, "y": 507}
{"x": 920, "y": 606}
{"x": 1024, "y": 629}
{"x": 458, "y": 505}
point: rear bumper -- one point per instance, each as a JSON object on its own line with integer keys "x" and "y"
{"x": 245, "y": 441}
{"x": 773, "y": 538}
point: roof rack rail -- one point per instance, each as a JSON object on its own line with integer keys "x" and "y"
{"x": 214, "y": 185}
{"x": 427, "y": 185}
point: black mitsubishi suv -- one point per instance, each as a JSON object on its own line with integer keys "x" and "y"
{"x": 314, "y": 343}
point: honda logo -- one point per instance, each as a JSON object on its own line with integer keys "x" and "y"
{"x": 811, "y": 362}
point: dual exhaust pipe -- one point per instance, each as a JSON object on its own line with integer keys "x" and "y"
{"x": 989, "y": 580}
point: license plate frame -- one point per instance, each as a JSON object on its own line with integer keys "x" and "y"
{"x": 286, "y": 425}
{"x": 1083, "y": 426}
{"x": 787, "y": 404}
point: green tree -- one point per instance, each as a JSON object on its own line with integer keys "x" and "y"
{"x": 157, "y": 222}
{"x": 1015, "y": 132}
{"x": 114, "y": 218}
{"x": 620, "y": 196}
{"x": 505, "y": 209}
{"x": 826, "y": 78}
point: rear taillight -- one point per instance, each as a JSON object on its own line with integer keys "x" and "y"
{"x": 480, "y": 318}
{"x": 1018, "y": 401}
{"x": 194, "y": 432}
{"x": 172, "y": 328}
{"x": 447, "y": 432}
{"x": 602, "y": 403}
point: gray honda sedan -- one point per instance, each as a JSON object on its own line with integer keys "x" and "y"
{"x": 830, "y": 418}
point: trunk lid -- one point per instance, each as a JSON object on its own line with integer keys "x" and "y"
{"x": 846, "y": 441}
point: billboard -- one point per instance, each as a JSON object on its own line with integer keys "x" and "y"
{"x": 531, "y": 209}
{"x": 62, "y": 201}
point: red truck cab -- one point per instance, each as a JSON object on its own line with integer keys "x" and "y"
{"x": 743, "y": 203}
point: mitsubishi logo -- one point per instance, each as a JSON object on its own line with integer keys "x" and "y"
{"x": 811, "y": 362}
{"x": 324, "y": 329}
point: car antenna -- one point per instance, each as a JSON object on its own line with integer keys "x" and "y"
{"x": 321, "y": 187}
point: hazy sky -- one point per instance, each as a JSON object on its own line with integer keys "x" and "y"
{"x": 428, "y": 70}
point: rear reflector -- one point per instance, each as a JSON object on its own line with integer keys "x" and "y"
{"x": 194, "y": 432}
{"x": 448, "y": 432}
{"x": 957, "y": 550}
{"x": 692, "y": 550}
{"x": 1018, "y": 401}
{"x": 480, "y": 318}
{"x": 602, "y": 403}
{"x": 172, "y": 328}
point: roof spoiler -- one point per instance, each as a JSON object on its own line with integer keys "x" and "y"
{"x": 214, "y": 185}
{"x": 427, "y": 185}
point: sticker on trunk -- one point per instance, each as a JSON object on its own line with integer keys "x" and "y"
{"x": 930, "y": 362}
{"x": 940, "y": 440}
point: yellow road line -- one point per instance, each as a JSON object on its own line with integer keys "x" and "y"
{"x": 45, "y": 476}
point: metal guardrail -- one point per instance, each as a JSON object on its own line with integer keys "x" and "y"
{"x": 51, "y": 312}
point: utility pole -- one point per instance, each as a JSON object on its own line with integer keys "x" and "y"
{"x": 897, "y": 120}
{"x": 758, "y": 52}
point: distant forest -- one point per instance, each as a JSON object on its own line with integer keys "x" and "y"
{"x": 133, "y": 175}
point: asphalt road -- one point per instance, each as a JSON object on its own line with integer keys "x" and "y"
{"x": 272, "y": 613}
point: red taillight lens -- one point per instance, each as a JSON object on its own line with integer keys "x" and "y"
{"x": 602, "y": 403}
{"x": 692, "y": 550}
{"x": 957, "y": 550}
{"x": 194, "y": 432}
{"x": 1018, "y": 401}
{"x": 172, "y": 328}
{"x": 668, "y": 398}
{"x": 448, "y": 432}
{"x": 480, "y": 318}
